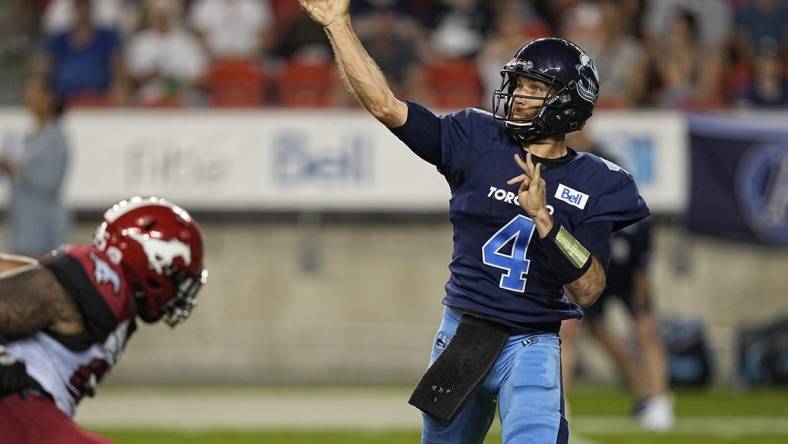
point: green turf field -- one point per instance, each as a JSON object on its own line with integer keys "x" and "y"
{"x": 598, "y": 416}
{"x": 137, "y": 437}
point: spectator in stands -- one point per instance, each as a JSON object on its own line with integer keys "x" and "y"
{"x": 630, "y": 19}
{"x": 164, "y": 59}
{"x": 304, "y": 40}
{"x": 360, "y": 8}
{"x": 757, "y": 20}
{"x": 620, "y": 59}
{"x": 459, "y": 27}
{"x": 392, "y": 40}
{"x": 689, "y": 73}
{"x": 713, "y": 20}
{"x": 85, "y": 62}
{"x": 552, "y": 11}
{"x": 36, "y": 169}
{"x": 768, "y": 87}
{"x": 233, "y": 29}
{"x": 515, "y": 23}
{"x": 121, "y": 15}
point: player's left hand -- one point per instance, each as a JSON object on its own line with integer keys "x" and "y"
{"x": 13, "y": 374}
{"x": 325, "y": 12}
{"x": 532, "y": 190}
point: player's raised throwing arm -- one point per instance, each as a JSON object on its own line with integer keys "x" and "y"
{"x": 357, "y": 68}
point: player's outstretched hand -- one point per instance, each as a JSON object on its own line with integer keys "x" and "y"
{"x": 532, "y": 187}
{"x": 325, "y": 12}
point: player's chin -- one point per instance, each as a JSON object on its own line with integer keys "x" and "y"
{"x": 524, "y": 114}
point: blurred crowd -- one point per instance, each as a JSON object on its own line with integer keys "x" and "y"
{"x": 680, "y": 54}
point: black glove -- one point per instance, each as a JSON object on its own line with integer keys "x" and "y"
{"x": 13, "y": 374}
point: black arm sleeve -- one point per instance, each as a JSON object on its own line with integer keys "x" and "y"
{"x": 96, "y": 315}
{"x": 421, "y": 133}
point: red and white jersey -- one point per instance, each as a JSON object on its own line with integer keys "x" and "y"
{"x": 70, "y": 367}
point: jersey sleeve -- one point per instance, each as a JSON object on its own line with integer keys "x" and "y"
{"x": 445, "y": 142}
{"x": 620, "y": 203}
{"x": 97, "y": 287}
{"x": 421, "y": 133}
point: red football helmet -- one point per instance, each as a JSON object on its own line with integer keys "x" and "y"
{"x": 159, "y": 247}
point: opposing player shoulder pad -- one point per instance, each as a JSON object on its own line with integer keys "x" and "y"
{"x": 96, "y": 285}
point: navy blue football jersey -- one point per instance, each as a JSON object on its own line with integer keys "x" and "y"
{"x": 499, "y": 268}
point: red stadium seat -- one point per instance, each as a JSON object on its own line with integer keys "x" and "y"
{"x": 612, "y": 103}
{"x": 236, "y": 83}
{"x": 455, "y": 83}
{"x": 88, "y": 100}
{"x": 285, "y": 12}
{"x": 307, "y": 84}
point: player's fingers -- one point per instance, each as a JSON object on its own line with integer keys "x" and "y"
{"x": 529, "y": 162}
{"x": 515, "y": 180}
{"x": 537, "y": 172}
{"x": 524, "y": 185}
{"x": 523, "y": 166}
{"x": 307, "y": 6}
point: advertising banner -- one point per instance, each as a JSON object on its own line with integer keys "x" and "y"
{"x": 285, "y": 160}
{"x": 652, "y": 146}
{"x": 739, "y": 178}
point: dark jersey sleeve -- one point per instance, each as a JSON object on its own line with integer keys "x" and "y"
{"x": 98, "y": 290}
{"x": 445, "y": 142}
{"x": 620, "y": 204}
{"x": 421, "y": 133}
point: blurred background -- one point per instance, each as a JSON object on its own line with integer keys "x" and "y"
{"x": 328, "y": 241}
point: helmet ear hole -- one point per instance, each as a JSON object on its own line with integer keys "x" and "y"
{"x": 153, "y": 283}
{"x": 149, "y": 226}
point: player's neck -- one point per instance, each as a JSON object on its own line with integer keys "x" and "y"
{"x": 550, "y": 148}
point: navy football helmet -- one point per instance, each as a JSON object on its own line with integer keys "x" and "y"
{"x": 573, "y": 89}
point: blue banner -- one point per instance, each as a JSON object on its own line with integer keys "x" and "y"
{"x": 739, "y": 178}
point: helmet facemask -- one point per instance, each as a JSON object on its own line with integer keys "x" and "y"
{"x": 532, "y": 128}
{"x": 177, "y": 287}
{"x": 506, "y": 96}
{"x": 181, "y": 306}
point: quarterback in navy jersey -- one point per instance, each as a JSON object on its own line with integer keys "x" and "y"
{"x": 532, "y": 220}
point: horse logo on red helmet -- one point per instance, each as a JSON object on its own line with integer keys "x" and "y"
{"x": 159, "y": 246}
{"x": 161, "y": 254}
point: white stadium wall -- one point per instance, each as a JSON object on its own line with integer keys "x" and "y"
{"x": 295, "y": 160}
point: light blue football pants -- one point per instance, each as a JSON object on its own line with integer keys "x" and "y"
{"x": 525, "y": 383}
